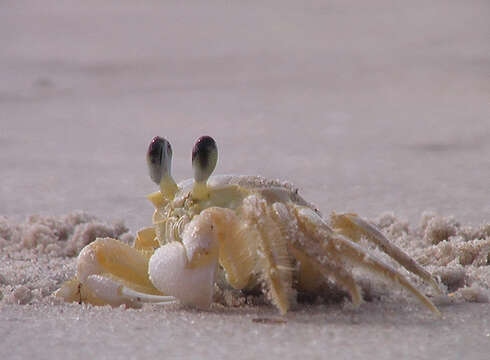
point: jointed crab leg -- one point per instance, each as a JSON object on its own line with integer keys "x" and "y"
{"x": 353, "y": 227}
{"x": 353, "y": 252}
{"x": 329, "y": 270}
{"x": 313, "y": 269}
{"x": 335, "y": 246}
{"x": 274, "y": 261}
{"x": 115, "y": 272}
{"x": 110, "y": 256}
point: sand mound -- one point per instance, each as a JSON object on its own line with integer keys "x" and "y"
{"x": 36, "y": 256}
{"x": 459, "y": 256}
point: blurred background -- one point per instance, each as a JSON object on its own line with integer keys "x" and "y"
{"x": 366, "y": 106}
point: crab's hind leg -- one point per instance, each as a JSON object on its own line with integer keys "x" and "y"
{"x": 354, "y": 227}
{"x": 336, "y": 245}
{"x": 116, "y": 273}
{"x": 312, "y": 265}
{"x": 329, "y": 270}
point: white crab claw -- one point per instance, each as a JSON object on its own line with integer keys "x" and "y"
{"x": 170, "y": 272}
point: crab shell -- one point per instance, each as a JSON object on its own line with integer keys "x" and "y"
{"x": 225, "y": 191}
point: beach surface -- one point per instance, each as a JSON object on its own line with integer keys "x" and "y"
{"x": 379, "y": 108}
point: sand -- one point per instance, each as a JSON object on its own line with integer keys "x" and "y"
{"x": 39, "y": 254}
{"x": 379, "y": 108}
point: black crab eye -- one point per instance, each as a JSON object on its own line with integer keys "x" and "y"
{"x": 155, "y": 150}
{"x": 204, "y": 158}
{"x": 158, "y": 157}
{"x": 203, "y": 150}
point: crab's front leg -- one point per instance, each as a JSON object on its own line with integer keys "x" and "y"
{"x": 187, "y": 269}
{"x": 114, "y": 273}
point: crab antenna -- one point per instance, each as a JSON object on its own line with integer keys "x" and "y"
{"x": 159, "y": 159}
{"x": 204, "y": 159}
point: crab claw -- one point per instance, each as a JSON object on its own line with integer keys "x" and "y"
{"x": 186, "y": 270}
{"x": 171, "y": 274}
{"x": 159, "y": 159}
{"x": 204, "y": 159}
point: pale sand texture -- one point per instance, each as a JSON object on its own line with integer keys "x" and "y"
{"x": 37, "y": 255}
{"x": 369, "y": 107}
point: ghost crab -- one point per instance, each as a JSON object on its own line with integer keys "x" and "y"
{"x": 238, "y": 231}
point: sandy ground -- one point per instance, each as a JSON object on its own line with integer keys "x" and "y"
{"x": 374, "y": 108}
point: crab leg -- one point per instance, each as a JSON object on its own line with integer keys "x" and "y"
{"x": 353, "y": 227}
{"x": 337, "y": 246}
{"x": 107, "y": 267}
{"x": 329, "y": 270}
{"x": 313, "y": 269}
{"x": 274, "y": 262}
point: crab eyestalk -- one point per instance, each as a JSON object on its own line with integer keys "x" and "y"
{"x": 159, "y": 159}
{"x": 204, "y": 159}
